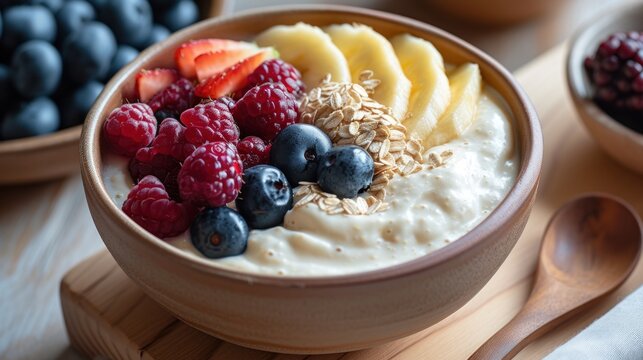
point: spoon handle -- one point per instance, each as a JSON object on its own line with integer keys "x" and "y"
{"x": 546, "y": 308}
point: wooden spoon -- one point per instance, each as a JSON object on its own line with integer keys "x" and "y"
{"x": 590, "y": 247}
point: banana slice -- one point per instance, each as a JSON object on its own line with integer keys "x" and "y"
{"x": 465, "y": 84}
{"x": 309, "y": 49}
{"x": 365, "y": 49}
{"x": 423, "y": 65}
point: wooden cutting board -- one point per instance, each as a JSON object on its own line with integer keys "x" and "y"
{"x": 108, "y": 315}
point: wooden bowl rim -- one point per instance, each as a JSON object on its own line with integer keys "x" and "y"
{"x": 499, "y": 218}
{"x": 575, "y": 74}
{"x": 42, "y": 142}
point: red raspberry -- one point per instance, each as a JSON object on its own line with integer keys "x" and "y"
{"x": 129, "y": 128}
{"x": 277, "y": 71}
{"x": 171, "y": 140}
{"x": 253, "y": 151}
{"x": 211, "y": 176}
{"x": 149, "y": 205}
{"x": 175, "y": 99}
{"x": 228, "y": 101}
{"x": 163, "y": 167}
{"x": 265, "y": 110}
{"x": 209, "y": 122}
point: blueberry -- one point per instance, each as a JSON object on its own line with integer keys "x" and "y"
{"x": 36, "y": 117}
{"x": 163, "y": 114}
{"x": 345, "y": 171}
{"x": 158, "y": 34}
{"x": 265, "y": 197}
{"x": 52, "y": 5}
{"x": 72, "y": 16}
{"x": 296, "y": 152}
{"x": 97, "y": 4}
{"x": 219, "y": 232}
{"x": 6, "y": 87}
{"x": 179, "y": 15}
{"x": 76, "y": 104}
{"x": 37, "y": 68}
{"x": 131, "y": 20}
{"x": 124, "y": 54}
{"x": 23, "y": 23}
{"x": 87, "y": 52}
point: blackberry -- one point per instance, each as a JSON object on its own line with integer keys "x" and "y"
{"x": 616, "y": 70}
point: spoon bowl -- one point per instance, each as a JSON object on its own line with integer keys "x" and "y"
{"x": 590, "y": 243}
{"x": 590, "y": 247}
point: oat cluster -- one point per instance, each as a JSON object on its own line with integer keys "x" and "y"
{"x": 347, "y": 114}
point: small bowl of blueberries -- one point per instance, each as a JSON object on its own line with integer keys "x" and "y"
{"x": 605, "y": 79}
{"x": 55, "y": 57}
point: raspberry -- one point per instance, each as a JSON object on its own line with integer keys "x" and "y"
{"x": 163, "y": 167}
{"x": 149, "y": 205}
{"x": 175, "y": 99}
{"x": 209, "y": 122}
{"x": 129, "y": 128}
{"x": 265, "y": 110}
{"x": 277, "y": 71}
{"x": 228, "y": 101}
{"x": 211, "y": 176}
{"x": 253, "y": 151}
{"x": 171, "y": 140}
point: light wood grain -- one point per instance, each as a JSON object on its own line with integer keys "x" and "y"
{"x": 108, "y": 315}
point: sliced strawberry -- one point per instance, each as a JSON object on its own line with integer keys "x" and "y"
{"x": 151, "y": 82}
{"x": 233, "y": 78}
{"x": 186, "y": 53}
{"x": 212, "y": 63}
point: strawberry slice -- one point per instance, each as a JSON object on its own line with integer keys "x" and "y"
{"x": 186, "y": 53}
{"x": 212, "y": 63}
{"x": 150, "y": 82}
{"x": 233, "y": 78}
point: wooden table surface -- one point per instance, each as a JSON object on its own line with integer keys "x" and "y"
{"x": 46, "y": 228}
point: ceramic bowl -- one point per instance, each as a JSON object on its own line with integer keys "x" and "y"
{"x": 55, "y": 155}
{"x": 322, "y": 314}
{"x": 621, "y": 143}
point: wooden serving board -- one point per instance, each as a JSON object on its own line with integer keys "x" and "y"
{"x": 108, "y": 315}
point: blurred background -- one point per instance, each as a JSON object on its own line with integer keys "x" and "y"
{"x": 512, "y": 31}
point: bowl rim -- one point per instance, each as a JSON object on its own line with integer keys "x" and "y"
{"x": 518, "y": 195}
{"x": 576, "y": 79}
{"x": 41, "y": 142}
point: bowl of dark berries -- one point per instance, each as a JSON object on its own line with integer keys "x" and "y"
{"x": 311, "y": 179}
{"x": 55, "y": 57}
{"x": 605, "y": 79}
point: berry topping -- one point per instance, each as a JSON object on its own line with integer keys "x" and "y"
{"x": 617, "y": 73}
{"x": 171, "y": 140}
{"x": 233, "y": 78}
{"x": 174, "y": 99}
{"x": 149, "y": 205}
{"x": 345, "y": 171}
{"x": 219, "y": 232}
{"x": 265, "y": 197}
{"x": 129, "y": 128}
{"x": 211, "y": 176}
{"x": 188, "y": 52}
{"x": 266, "y": 110}
{"x": 163, "y": 167}
{"x": 253, "y": 151}
{"x": 212, "y": 63}
{"x": 296, "y": 152}
{"x": 276, "y": 70}
{"x": 228, "y": 101}
{"x": 208, "y": 122}
{"x": 152, "y": 82}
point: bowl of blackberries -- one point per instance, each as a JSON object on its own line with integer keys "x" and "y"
{"x": 55, "y": 57}
{"x": 605, "y": 79}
